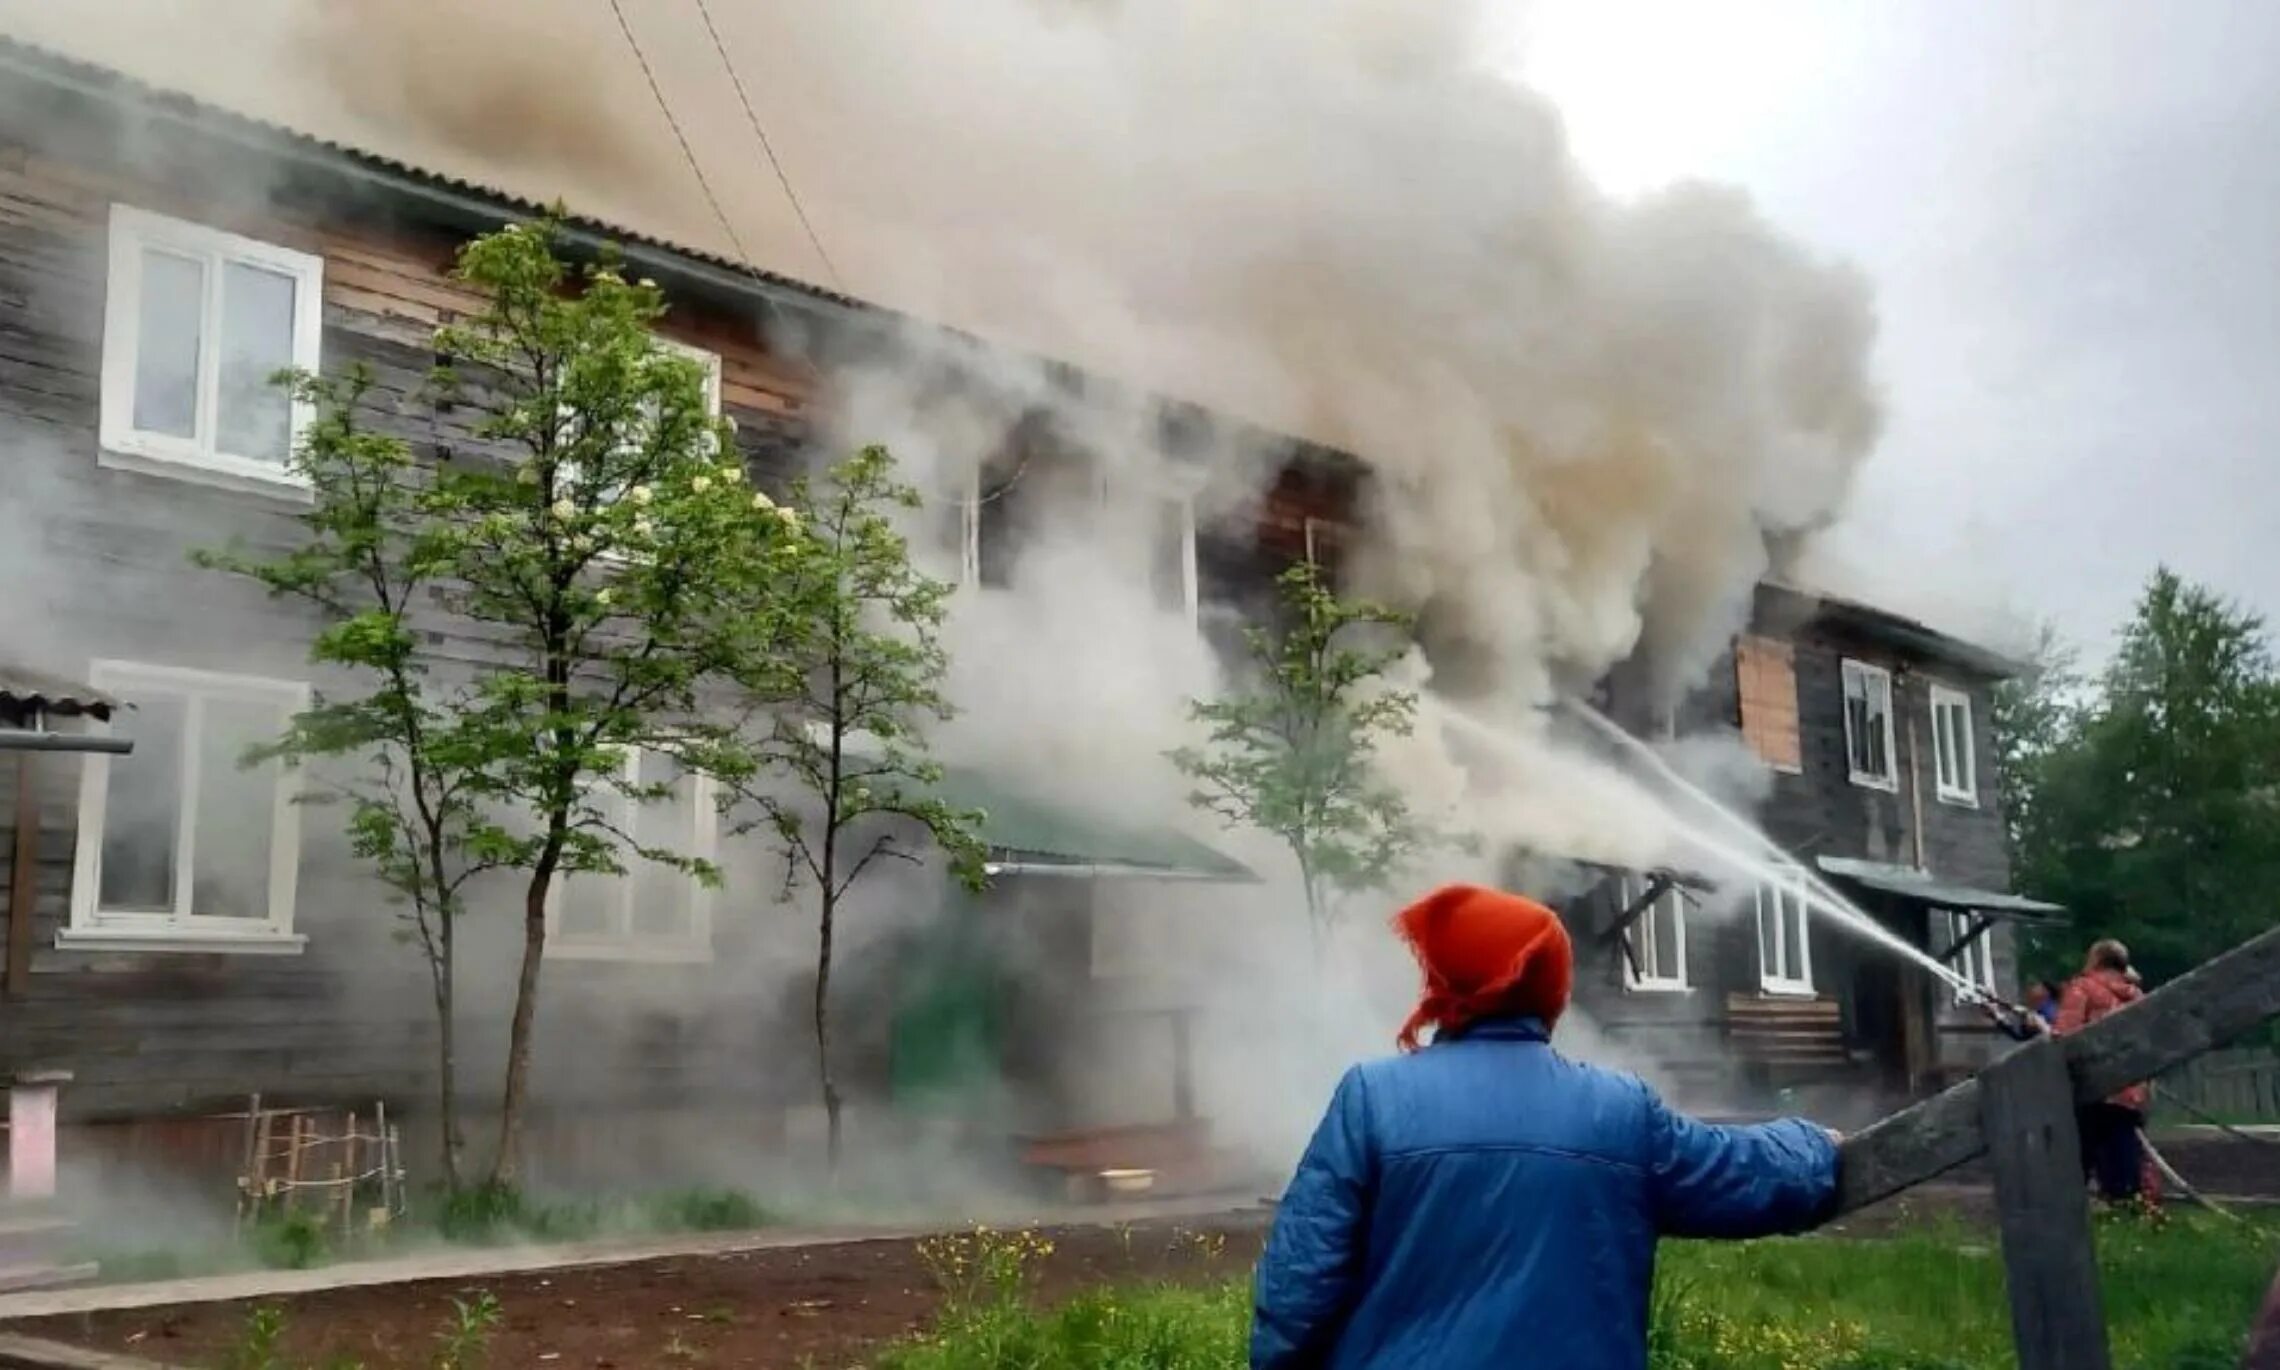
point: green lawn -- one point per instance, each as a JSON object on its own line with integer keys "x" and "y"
{"x": 2178, "y": 1297}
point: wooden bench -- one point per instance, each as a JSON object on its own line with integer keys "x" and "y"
{"x": 1170, "y": 1152}
{"x": 1790, "y": 1034}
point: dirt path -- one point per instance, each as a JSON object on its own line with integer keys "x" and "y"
{"x": 828, "y": 1305}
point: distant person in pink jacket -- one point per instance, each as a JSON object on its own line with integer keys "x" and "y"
{"x": 2112, "y": 1151}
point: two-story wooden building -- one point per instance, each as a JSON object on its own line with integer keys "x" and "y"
{"x": 1876, "y": 731}
{"x": 182, "y": 935}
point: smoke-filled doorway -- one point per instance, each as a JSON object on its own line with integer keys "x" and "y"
{"x": 1045, "y": 1019}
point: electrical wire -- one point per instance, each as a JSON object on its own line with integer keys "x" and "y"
{"x": 807, "y": 225}
{"x": 688, "y": 153}
{"x": 752, "y": 118}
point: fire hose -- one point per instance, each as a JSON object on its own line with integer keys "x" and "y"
{"x": 2020, "y": 1024}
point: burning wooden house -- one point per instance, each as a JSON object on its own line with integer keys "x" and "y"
{"x": 181, "y": 935}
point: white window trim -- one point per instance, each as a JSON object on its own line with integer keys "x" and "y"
{"x": 1636, "y": 980}
{"x": 95, "y": 929}
{"x": 1976, "y": 964}
{"x": 625, "y": 945}
{"x": 125, "y": 447}
{"x": 1890, "y": 780}
{"x": 970, "y": 535}
{"x": 1966, "y": 794}
{"x": 702, "y": 356}
{"x": 1778, "y": 980}
{"x": 710, "y": 361}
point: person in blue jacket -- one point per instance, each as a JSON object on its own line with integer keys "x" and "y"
{"x": 1484, "y": 1201}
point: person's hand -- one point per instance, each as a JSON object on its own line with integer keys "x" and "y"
{"x": 1835, "y": 1136}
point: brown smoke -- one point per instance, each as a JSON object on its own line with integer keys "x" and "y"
{"x": 1320, "y": 214}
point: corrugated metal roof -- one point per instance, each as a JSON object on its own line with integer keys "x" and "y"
{"x": 1926, "y": 888}
{"x": 40, "y": 62}
{"x": 1018, "y": 828}
{"x": 1911, "y": 633}
{"x": 22, "y": 689}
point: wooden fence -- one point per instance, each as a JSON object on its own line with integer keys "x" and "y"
{"x": 2238, "y": 1085}
{"x": 2020, "y": 1114}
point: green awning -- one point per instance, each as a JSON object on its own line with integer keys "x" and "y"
{"x": 1925, "y": 888}
{"x": 1028, "y": 835}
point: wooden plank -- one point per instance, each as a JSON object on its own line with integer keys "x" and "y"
{"x": 23, "y": 879}
{"x": 2200, "y": 1010}
{"x": 2050, "y": 1263}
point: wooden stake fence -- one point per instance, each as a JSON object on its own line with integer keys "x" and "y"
{"x": 2020, "y": 1113}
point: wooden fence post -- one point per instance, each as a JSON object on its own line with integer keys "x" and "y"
{"x": 2050, "y": 1265}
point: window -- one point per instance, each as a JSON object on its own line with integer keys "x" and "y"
{"x": 180, "y": 847}
{"x": 1325, "y": 543}
{"x": 1976, "y": 962}
{"x": 1785, "y": 948}
{"x": 196, "y": 324}
{"x": 653, "y": 912}
{"x": 1953, "y": 761}
{"x": 1006, "y": 499}
{"x": 1765, "y": 672}
{"x": 1656, "y": 939}
{"x": 571, "y": 472}
{"x": 1868, "y": 725}
{"x": 1171, "y": 555}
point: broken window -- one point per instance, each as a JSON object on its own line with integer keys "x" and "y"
{"x": 1785, "y": 955}
{"x": 655, "y": 911}
{"x": 1868, "y": 725}
{"x": 1765, "y": 673}
{"x": 1976, "y": 961}
{"x": 197, "y": 325}
{"x": 1656, "y": 938}
{"x": 182, "y": 843}
{"x": 1953, "y": 761}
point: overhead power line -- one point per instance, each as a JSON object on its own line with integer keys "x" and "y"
{"x": 752, "y": 117}
{"x": 688, "y": 153}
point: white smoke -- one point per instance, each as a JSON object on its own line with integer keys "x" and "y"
{"x": 1589, "y": 419}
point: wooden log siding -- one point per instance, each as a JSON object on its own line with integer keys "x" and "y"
{"x": 349, "y": 1019}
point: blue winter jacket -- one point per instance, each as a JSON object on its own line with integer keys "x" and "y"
{"x": 1486, "y": 1202}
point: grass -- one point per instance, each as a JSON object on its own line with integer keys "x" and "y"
{"x": 2178, "y": 1297}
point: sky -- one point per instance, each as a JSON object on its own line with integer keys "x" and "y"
{"x": 2070, "y": 212}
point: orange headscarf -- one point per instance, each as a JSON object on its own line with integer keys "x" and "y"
{"x": 1485, "y": 953}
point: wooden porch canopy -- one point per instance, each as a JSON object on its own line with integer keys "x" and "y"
{"x": 1029, "y": 836}
{"x": 1981, "y": 907}
{"x": 29, "y": 697}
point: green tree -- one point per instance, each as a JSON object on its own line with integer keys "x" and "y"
{"x": 844, "y": 777}
{"x": 2156, "y": 816}
{"x": 415, "y": 785}
{"x": 1293, "y": 751}
{"x": 606, "y": 543}
{"x": 2037, "y": 715}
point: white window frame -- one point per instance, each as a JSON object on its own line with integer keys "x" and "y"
{"x": 709, "y": 360}
{"x": 1848, "y": 671}
{"x": 1960, "y": 789}
{"x": 1105, "y": 491}
{"x": 622, "y": 943}
{"x": 1641, "y": 973}
{"x": 1976, "y": 963}
{"x": 124, "y": 446}
{"x": 94, "y": 928}
{"x": 1787, "y": 974}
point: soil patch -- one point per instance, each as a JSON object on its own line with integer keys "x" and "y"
{"x": 823, "y": 1305}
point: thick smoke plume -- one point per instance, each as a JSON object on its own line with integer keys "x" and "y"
{"x": 1589, "y": 419}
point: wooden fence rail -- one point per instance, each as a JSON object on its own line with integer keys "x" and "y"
{"x": 2240, "y": 1085}
{"x": 2021, "y": 1113}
